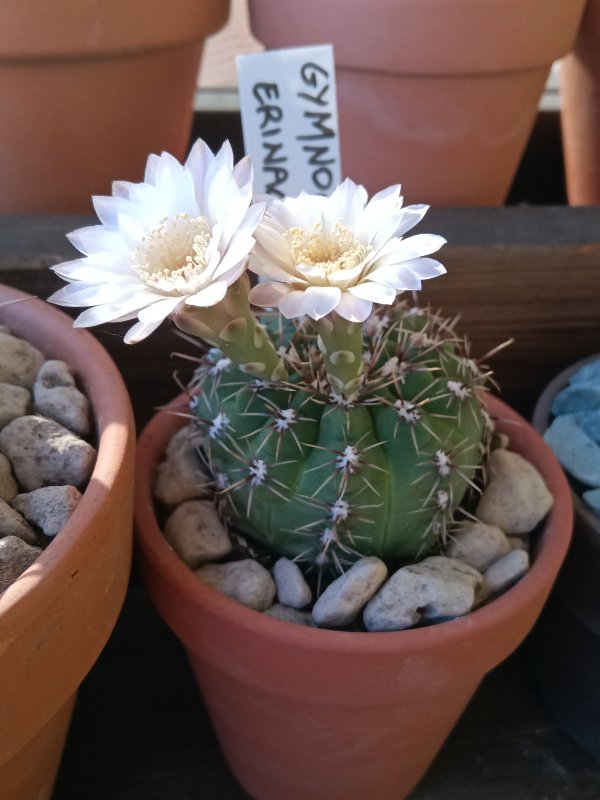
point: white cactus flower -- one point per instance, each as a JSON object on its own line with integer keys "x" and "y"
{"x": 340, "y": 253}
{"x": 181, "y": 237}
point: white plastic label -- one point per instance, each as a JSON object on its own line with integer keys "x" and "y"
{"x": 289, "y": 119}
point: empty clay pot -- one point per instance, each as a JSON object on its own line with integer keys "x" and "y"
{"x": 439, "y": 96}
{"x": 333, "y": 715}
{"x": 88, "y": 89}
{"x": 56, "y": 618}
{"x": 580, "y": 114}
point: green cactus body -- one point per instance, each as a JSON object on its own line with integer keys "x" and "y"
{"x": 323, "y": 480}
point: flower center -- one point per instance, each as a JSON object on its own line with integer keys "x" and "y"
{"x": 337, "y": 249}
{"x": 175, "y": 254}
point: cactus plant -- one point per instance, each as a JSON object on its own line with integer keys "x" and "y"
{"x": 326, "y": 480}
{"x": 342, "y": 423}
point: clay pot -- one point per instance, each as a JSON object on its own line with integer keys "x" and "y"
{"x": 334, "y": 715}
{"x": 565, "y": 647}
{"x": 580, "y": 114}
{"x": 88, "y": 89}
{"x": 56, "y": 618}
{"x": 440, "y": 96}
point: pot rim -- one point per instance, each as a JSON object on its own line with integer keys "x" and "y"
{"x": 551, "y": 550}
{"x": 114, "y": 425}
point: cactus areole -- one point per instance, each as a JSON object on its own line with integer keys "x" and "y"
{"x": 340, "y": 420}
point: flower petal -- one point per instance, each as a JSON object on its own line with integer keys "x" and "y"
{"x": 140, "y": 331}
{"x": 268, "y": 294}
{"x": 374, "y": 292}
{"x": 320, "y": 300}
{"x": 209, "y": 296}
{"x": 354, "y": 309}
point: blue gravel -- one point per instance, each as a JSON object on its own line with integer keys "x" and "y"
{"x": 574, "y": 435}
{"x": 577, "y": 453}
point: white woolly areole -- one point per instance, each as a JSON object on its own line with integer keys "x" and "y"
{"x": 258, "y": 472}
{"x": 329, "y": 536}
{"x": 458, "y": 389}
{"x": 407, "y": 411}
{"x": 285, "y": 418}
{"x": 219, "y": 425}
{"x": 339, "y": 510}
{"x": 222, "y": 365}
{"x": 443, "y": 499}
{"x": 348, "y": 461}
{"x": 442, "y": 462}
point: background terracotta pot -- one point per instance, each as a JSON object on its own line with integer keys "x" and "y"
{"x": 332, "y": 715}
{"x": 88, "y": 89}
{"x": 580, "y": 114}
{"x": 57, "y": 616}
{"x": 440, "y": 96}
{"x": 564, "y": 650}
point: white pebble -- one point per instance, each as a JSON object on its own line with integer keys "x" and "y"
{"x": 436, "y": 588}
{"x": 19, "y": 361}
{"x": 56, "y": 396}
{"x": 14, "y": 402}
{"x": 478, "y": 544}
{"x": 292, "y": 589}
{"x": 516, "y": 497}
{"x": 49, "y": 507}
{"x": 181, "y": 476}
{"x": 504, "y": 573}
{"x": 196, "y": 533}
{"x": 343, "y": 599}
{"x": 246, "y": 581}
{"x": 44, "y": 453}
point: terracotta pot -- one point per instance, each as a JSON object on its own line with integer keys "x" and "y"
{"x": 565, "y": 648}
{"x": 56, "y": 618}
{"x": 88, "y": 89}
{"x": 440, "y": 96}
{"x": 580, "y": 115}
{"x": 332, "y": 715}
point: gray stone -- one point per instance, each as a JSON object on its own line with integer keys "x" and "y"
{"x": 516, "y": 497}
{"x": 577, "y": 453}
{"x": 292, "y": 589}
{"x": 478, "y": 544}
{"x": 246, "y": 581}
{"x": 14, "y": 402}
{"x": 19, "y": 361}
{"x": 4, "y": 329}
{"x": 576, "y": 398}
{"x": 8, "y": 485}
{"x": 15, "y": 557}
{"x": 287, "y": 614}
{"x": 196, "y": 533}
{"x": 13, "y": 524}
{"x": 504, "y": 573}
{"x": 190, "y": 436}
{"x": 56, "y": 396}
{"x": 343, "y": 599}
{"x": 436, "y": 588}
{"x": 49, "y": 507}
{"x": 44, "y": 453}
{"x": 181, "y": 476}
